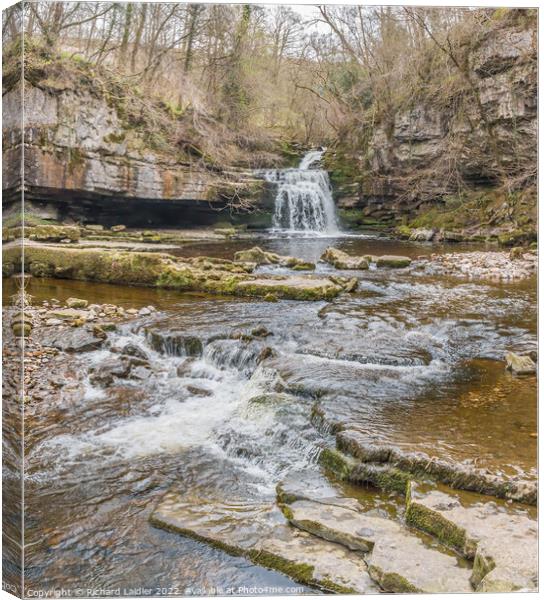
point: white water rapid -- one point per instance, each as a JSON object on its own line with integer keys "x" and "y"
{"x": 304, "y": 198}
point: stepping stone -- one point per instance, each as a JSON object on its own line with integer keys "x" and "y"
{"x": 260, "y": 532}
{"x": 292, "y": 287}
{"x": 398, "y": 560}
{"x": 393, "y": 262}
{"x": 422, "y": 466}
{"x": 502, "y": 542}
{"x": 306, "y": 484}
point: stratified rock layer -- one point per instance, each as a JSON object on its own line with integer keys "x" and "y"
{"x": 260, "y": 532}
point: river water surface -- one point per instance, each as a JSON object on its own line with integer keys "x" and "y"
{"x": 411, "y": 358}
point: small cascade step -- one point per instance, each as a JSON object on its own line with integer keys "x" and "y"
{"x": 419, "y": 465}
{"x": 397, "y": 560}
{"x": 260, "y": 532}
{"x": 502, "y": 540}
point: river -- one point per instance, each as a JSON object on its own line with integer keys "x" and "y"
{"x": 413, "y": 359}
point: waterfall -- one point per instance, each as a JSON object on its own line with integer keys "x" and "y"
{"x": 303, "y": 198}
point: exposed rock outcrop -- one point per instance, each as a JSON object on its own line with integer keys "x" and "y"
{"x": 417, "y": 156}
{"x": 87, "y": 157}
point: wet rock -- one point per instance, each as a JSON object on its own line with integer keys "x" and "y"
{"x": 104, "y": 374}
{"x": 68, "y": 339}
{"x": 164, "y": 271}
{"x": 67, "y": 314}
{"x": 341, "y": 260}
{"x": 259, "y": 532}
{"x": 309, "y": 484}
{"x": 422, "y": 235}
{"x": 383, "y": 477}
{"x": 133, "y": 350}
{"x": 502, "y": 543}
{"x": 261, "y": 332}
{"x": 393, "y": 262}
{"x": 398, "y": 560}
{"x": 53, "y": 322}
{"x": 351, "y": 285}
{"x": 76, "y": 303}
{"x": 421, "y": 465}
{"x": 293, "y": 288}
{"x": 199, "y": 391}
{"x": 520, "y": 365}
{"x": 270, "y": 297}
{"x": 255, "y": 255}
{"x": 184, "y": 370}
{"x": 259, "y": 256}
{"x": 265, "y": 353}
{"x": 175, "y": 344}
{"x": 303, "y": 266}
{"x": 117, "y": 228}
{"x": 143, "y": 312}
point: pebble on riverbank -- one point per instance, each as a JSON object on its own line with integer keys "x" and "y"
{"x": 499, "y": 266}
{"x": 56, "y": 333}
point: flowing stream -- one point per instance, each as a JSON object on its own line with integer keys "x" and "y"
{"x": 412, "y": 359}
{"x": 304, "y": 201}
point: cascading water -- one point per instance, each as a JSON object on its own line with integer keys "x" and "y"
{"x": 304, "y": 200}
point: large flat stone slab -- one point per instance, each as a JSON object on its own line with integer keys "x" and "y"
{"x": 70, "y": 339}
{"x": 260, "y": 532}
{"x": 502, "y": 541}
{"x": 423, "y": 466}
{"x": 397, "y": 559}
{"x": 293, "y": 287}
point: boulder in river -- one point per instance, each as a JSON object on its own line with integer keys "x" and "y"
{"x": 393, "y": 262}
{"x": 422, "y": 235}
{"x": 67, "y": 314}
{"x": 342, "y": 260}
{"x": 520, "y": 364}
{"x": 105, "y": 372}
{"x": 76, "y": 303}
{"x": 259, "y": 256}
{"x": 71, "y": 339}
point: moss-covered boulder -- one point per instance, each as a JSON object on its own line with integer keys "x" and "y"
{"x": 393, "y": 262}
{"x": 342, "y": 260}
{"x": 259, "y": 256}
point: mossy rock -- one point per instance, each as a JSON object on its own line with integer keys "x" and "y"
{"x": 53, "y": 233}
{"x": 336, "y": 462}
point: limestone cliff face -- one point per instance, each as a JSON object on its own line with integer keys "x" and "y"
{"x": 428, "y": 150}
{"x": 80, "y": 158}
